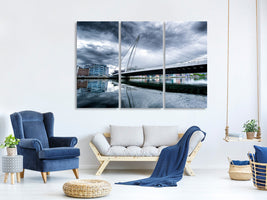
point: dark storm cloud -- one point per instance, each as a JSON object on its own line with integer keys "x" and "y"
{"x": 85, "y": 28}
{"x": 150, "y": 34}
{"x": 200, "y": 27}
{"x": 185, "y": 41}
{"x": 97, "y": 43}
{"x": 150, "y": 45}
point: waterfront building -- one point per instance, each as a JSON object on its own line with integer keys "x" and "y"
{"x": 97, "y": 69}
{"x": 83, "y": 72}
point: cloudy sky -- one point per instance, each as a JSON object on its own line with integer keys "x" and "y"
{"x": 97, "y": 42}
{"x": 185, "y": 41}
{"x": 149, "y": 52}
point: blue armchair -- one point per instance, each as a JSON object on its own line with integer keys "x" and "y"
{"x": 40, "y": 149}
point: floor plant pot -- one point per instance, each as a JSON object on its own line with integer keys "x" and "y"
{"x": 250, "y": 135}
{"x": 11, "y": 151}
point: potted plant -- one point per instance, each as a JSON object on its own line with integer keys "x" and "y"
{"x": 10, "y": 144}
{"x": 250, "y": 127}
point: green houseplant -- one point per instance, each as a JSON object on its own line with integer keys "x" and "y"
{"x": 10, "y": 144}
{"x": 250, "y": 127}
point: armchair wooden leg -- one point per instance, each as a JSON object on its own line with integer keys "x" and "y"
{"x": 188, "y": 170}
{"x": 102, "y": 167}
{"x": 76, "y": 173}
{"x": 22, "y": 174}
{"x": 48, "y": 173}
{"x": 44, "y": 176}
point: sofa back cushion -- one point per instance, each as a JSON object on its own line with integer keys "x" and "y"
{"x": 126, "y": 136}
{"x": 160, "y": 135}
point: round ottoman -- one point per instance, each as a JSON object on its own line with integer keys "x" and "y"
{"x": 87, "y": 188}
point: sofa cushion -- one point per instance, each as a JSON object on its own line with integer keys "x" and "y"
{"x": 59, "y": 153}
{"x": 134, "y": 151}
{"x": 126, "y": 136}
{"x": 160, "y": 135}
{"x": 101, "y": 143}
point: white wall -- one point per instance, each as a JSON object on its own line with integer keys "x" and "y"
{"x": 37, "y": 64}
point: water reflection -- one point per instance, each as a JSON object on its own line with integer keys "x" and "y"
{"x": 173, "y": 80}
{"x": 97, "y": 93}
{"x": 186, "y": 80}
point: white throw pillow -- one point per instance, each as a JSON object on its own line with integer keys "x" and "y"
{"x": 160, "y": 135}
{"x": 126, "y": 135}
{"x": 101, "y": 143}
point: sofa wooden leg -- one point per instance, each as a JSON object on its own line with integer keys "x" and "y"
{"x": 76, "y": 173}
{"x": 44, "y": 176}
{"x": 48, "y": 173}
{"x": 188, "y": 170}
{"x": 22, "y": 174}
{"x": 102, "y": 167}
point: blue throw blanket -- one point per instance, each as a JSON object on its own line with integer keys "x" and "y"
{"x": 170, "y": 166}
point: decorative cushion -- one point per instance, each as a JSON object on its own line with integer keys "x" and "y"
{"x": 101, "y": 143}
{"x": 160, "y": 135}
{"x": 260, "y": 154}
{"x": 59, "y": 153}
{"x": 194, "y": 140}
{"x": 36, "y": 129}
{"x": 126, "y": 136}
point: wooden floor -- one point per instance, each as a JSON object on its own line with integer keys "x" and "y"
{"x": 207, "y": 184}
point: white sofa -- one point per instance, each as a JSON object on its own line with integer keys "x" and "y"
{"x": 140, "y": 143}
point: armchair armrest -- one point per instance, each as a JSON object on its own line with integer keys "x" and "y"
{"x": 31, "y": 144}
{"x": 62, "y": 141}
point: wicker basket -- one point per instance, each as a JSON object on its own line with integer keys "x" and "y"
{"x": 240, "y": 172}
{"x": 85, "y": 188}
{"x": 259, "y": 174}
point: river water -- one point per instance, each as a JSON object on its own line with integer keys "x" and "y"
{"x": 103, "y": 93}
{"x": 97, "y": 93}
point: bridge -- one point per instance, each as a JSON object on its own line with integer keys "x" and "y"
{"x": 198, "y": 68}
{"x": 197, "y": 65}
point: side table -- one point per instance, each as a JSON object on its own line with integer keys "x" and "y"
{"x": 12, "y": 165}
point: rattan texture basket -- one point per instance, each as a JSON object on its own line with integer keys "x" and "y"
{"x": 87, "y": 188}
{"x": 259, "y": 174}
{"x": 240, "y": 172}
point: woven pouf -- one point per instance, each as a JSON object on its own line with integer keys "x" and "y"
{"x": 87, "y": 188}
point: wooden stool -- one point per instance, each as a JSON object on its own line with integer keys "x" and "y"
{"x": 12, "y": 165}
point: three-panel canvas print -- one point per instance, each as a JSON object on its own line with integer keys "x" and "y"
{"x": 141, "y": 64}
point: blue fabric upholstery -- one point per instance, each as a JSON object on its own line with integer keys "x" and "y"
{"x": 36, "y": 129}
{"x": 62, "y": 141}
{"x": 240, "y": 162}
{"x": 31, "y": 144}
{"x": 59, "y": 153}
{"x": 40, "y": 149}
{"x": 170, "y": 166}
